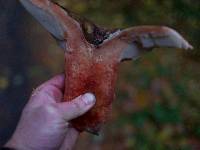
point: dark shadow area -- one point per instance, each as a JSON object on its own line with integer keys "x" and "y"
{"x": 14, "y": 61}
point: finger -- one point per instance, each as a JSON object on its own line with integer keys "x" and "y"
{"x": 70, "y": 139}
{"x": 49, "y": 91}
{"x": 57, "y": 81}
{"x": 77, "y": 107}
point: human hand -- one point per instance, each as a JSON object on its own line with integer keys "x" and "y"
{"x": 44, "y": 122}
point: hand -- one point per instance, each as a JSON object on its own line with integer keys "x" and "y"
{"x": 44, "y": 121}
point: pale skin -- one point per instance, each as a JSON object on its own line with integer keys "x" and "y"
{"x": 44, "y": 123}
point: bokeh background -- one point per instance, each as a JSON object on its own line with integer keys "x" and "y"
{"x": 157, "y": 105}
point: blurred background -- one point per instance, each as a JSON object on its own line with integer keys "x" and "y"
{"x": 157, "y": 105}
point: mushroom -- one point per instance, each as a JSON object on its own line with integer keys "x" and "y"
{"x": 93, "y": 54}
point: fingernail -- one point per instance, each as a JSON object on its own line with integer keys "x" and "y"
{"x": 89, "y": 98}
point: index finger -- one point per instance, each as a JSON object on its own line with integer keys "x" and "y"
{"x": 57, "y": 81}
{"x": 49, "y": 91}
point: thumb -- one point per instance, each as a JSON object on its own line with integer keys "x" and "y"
{"x": 77, "y": 107}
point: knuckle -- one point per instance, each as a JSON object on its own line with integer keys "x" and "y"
{"x": 79, "y": 106}
{"x": 36, "y": 91}
{"x": 50, "y": 109}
